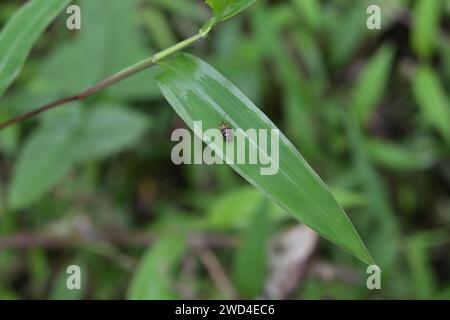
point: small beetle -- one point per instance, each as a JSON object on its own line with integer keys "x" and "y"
{"x": 226, "y": 130}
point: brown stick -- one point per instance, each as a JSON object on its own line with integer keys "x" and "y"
{"x": 39, "y": 240}
{"x": 37, "y": 111}
{"x": 147, "y": 63}
{"x": 216, "y": 272}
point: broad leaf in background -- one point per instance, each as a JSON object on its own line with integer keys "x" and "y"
{"x": 43, "y": 160}
{"x": 66, "y": 139}
{"x": 106, "y": 130}
{"x": 111, "y": 39}
{"x": 425, "y": 29}
{"x": 224, "y": 9}
{"x": 20, "y": 33}
{"x": 153, "y": 276}
{"x": 372, "y": 84}
{"x": 122, "y": 29}
{"x": 198, "y": 92}
{"x": 432, "y": 100}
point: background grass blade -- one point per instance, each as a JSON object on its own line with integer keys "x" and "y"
{"x": 372, "y": 84}
{"x": 250, "y": 260}
{"x": 198, "y": 92}
{"x": 20, "y": 33}
{"x": 152, "y": 280}
{"x": 424, "y": 34}
{"x": 432, "y": 100}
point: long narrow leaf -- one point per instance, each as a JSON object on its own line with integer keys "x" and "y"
{"x": 432, "y": 99}
{"x": 425, "y": 28}
{"x": 20, "y": 33}
{"x": 198, "y": 92}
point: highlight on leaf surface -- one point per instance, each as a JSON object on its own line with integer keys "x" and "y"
{"x": 198, "y": 92}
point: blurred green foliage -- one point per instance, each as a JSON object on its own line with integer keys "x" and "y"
{"x": 369, "y": 110}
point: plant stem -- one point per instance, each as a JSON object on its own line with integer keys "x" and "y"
{"x": 119, "y": 76}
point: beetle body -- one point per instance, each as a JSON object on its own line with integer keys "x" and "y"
{"x": 227, "y": 132}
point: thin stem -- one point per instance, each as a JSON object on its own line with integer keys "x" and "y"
{"x": 119, "y": 76}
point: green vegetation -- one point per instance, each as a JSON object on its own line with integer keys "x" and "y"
{"x": 92, "y": 183}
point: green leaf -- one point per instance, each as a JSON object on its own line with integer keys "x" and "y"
{"x": 432, "y": 100}
{"x": 234, "y": 208}
{"x": 160, "y": 29}
{"x": 183, "y": 8}
{"x": 20, "y": 33}
{"x": 225, "y": 9}
{"x": 66, "y": 139}
{"x": 112, "y": 41}
{"x": 417, "y": 249}
{"x": 372, "y": 84}
{"x": 399, "y": 156}
{"x": 124, "y": 46}
{"x": 198, "y": 92}
{"x": 106, "y": 130}
{"x": 425, "y": 27}
{"x": 44, "y": 160}
{"x": 310, "y": 11}
{"x": 152, "y": 278}
{"x": 250, "y": 261}
{"x": 345, "y": 32}
{"x": 349, "y": 199}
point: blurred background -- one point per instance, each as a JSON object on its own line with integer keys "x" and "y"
{"x": 92, "y": 183}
